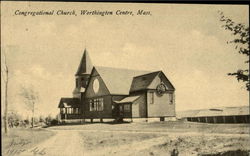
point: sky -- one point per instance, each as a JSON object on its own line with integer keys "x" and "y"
{"x": 185, "y": 41}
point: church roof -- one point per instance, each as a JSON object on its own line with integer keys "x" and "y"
{"x": 117, "y": 80}
{"x": 143, "y": 81}
{"x": 85, "y": 65}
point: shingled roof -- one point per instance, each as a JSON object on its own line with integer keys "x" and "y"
{"x": 69, "y": 102}
{"x": 143, "y": 81}
{"x": 118, "y": 80}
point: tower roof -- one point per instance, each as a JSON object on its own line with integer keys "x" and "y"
{"x": 85, "y": 65}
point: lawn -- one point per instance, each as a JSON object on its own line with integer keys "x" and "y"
{"x": 19, "y": 139}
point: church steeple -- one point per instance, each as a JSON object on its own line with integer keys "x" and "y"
{"x": 85, "y": 65}
{"x": 82, "y": 75}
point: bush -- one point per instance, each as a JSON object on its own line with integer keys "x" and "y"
{"x": 54, "y": 122}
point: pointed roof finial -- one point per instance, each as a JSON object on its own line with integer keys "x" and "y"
{"x": 85, "y": 45}
{"x": 85, "y": 65}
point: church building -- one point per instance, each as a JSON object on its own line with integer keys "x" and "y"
{"x": 115, "y": 93}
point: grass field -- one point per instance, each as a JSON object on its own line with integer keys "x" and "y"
{"x": 160, "y": 138}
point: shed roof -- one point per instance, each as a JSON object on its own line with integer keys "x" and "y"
{"x": 129, "y": 99}
{"x": 118, "y": 80}
{"x": 69, "y": 102}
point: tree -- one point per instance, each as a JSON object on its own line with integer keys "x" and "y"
{"x": 48, "y": 119}
{"x": 31, "y": 97}
{"x": 241, "y": 42}
{"x": 41, "y": 118}
{"x": 14, "y": 119}
{"x": 5, "y": 73}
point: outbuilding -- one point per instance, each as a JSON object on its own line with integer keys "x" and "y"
{"x": 218, "y": 115}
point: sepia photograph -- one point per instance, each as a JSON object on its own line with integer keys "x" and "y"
{"x": 124, "y": 79}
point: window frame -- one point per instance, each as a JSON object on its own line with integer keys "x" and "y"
{"x": 171, "y": 98}
{"x": 96, "y": 104}
{"x": 151, "y": 97}
{"x": 127, "y": 108}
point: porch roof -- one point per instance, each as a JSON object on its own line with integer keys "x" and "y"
{"x": 69, "y": 102}
{"x": 129, "y": 99}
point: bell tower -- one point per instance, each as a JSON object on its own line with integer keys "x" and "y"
{"x": 82, "y": 75}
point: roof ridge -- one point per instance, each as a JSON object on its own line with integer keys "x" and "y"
{"x": 123, "y": 68}
{"x": 112, "y": 78}
{"x": 148, "y": 73}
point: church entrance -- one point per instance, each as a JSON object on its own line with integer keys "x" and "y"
{"x": 123, "y": 110}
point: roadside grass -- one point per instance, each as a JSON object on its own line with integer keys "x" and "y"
{"x": 19, "y": 139}
{"x": 199, "y": 145}
{"x": 184, "y": 126}
{"x": 167, "y": 126}
{"x": 97, "y": 140}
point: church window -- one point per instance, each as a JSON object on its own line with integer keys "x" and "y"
{"x": 96, "y": 104}
{"x": 126, "y": 108}
{"x": 91, "y": 105}
{"x": 151, "y": 97}
{"x": 83, "y": 82}
{"x": 63, "y": 111}
{"x": 171, "y": 98}
{"x": 100, "y": 104}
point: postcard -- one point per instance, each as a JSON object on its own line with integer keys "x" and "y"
{"x": 124, "y": 79}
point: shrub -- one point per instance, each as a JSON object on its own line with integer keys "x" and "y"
{"x": 54, "y": 122}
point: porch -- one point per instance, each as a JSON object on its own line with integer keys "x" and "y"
{"x": 70, "y": 109}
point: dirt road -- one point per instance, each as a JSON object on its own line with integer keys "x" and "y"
{"x": 64, "y": 143}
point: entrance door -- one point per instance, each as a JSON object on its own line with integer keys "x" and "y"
{"x": 121, "y": 111}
